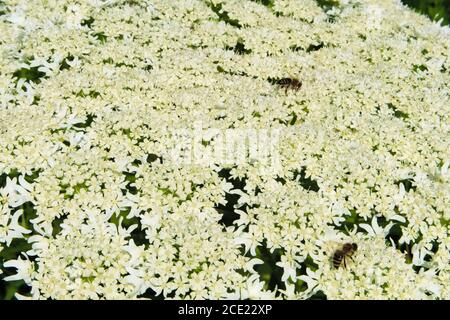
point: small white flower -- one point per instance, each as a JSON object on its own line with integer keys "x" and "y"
{"x": 310, "y": 278}
{"x": 255, "y": 289}
{"x": 24, "y": 269}
{"x": 289, "y": 269}
{"x": 375, "y": 230}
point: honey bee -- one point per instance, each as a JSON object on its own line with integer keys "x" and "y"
{"x": 348, "y": 249}
{"x": 290, "y": 83}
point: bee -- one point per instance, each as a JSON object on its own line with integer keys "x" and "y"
{"x": 348, "y": 249}
{"x": 290, "y": 83}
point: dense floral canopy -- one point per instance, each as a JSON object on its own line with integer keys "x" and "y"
{"x": 95, "y": 96}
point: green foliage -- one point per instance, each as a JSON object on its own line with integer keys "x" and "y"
{"x": 435, "y": 9}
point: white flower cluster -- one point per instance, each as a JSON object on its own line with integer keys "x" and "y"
{"x": 92, "y": 90}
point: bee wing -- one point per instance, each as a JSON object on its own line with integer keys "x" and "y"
{"x": 331, "y": 246}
